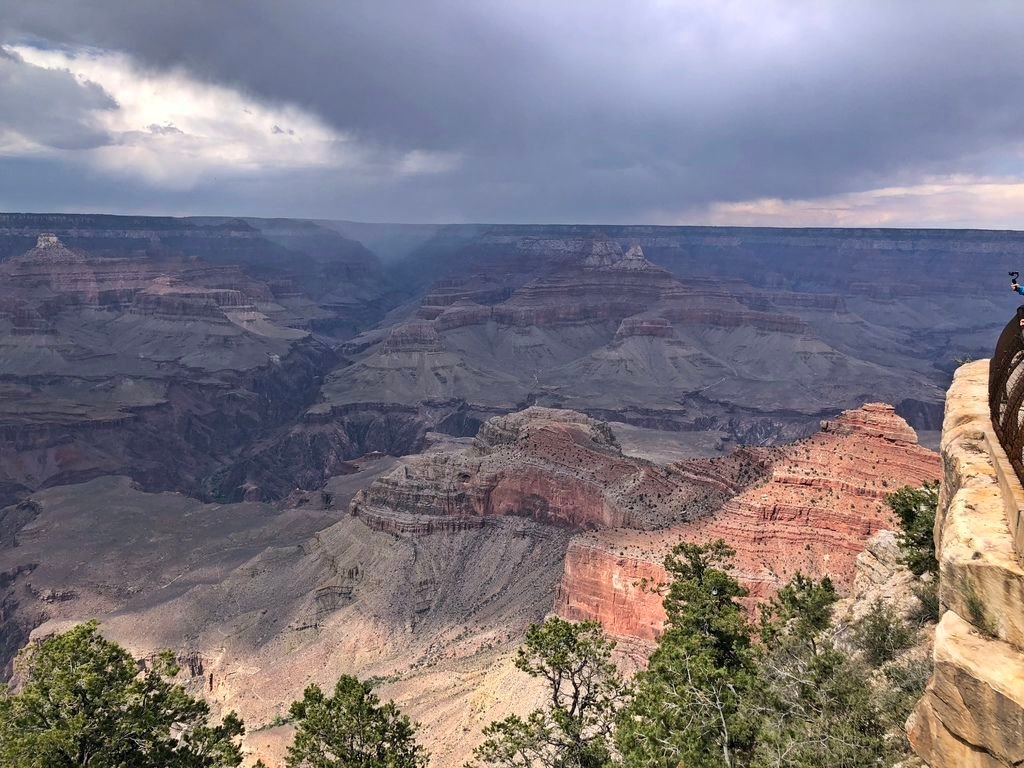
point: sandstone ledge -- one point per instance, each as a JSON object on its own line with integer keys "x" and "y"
{"x": 973, "y": 711}
{"x": 981, "y": 577}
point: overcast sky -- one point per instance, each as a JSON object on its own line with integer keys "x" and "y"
{"x": 854, "y": 112}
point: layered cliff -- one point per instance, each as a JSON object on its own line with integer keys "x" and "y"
{"x": 139, "y": 359}
{"x": 972, "y": 713}
{"x": 552, "y": 466}
{"x": 811, "y": 506}
{"x": 823, "y": 499}
{"x": 599, "y": 328}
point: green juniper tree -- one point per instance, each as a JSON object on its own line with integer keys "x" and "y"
{"x": 816, "y": 706}
{"x": 351, "y": 729}
{"x": 916, "y": 509}
{"x": 584, "y": 691}
{"x": 690, "y": 706}
{"x": 85, "y": 703}
{"x": 881, "y": 634}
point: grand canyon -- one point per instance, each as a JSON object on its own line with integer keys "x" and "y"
{"x": 290, "y": 449}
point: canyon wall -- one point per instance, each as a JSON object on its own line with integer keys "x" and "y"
{"x": 822, "y": 500}
{"x": 972, "y": 713}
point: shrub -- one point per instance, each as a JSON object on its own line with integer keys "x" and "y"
{"x": 916, "y": 509}
{"x": 85, "y": 703}
{"x": 351, "y": 729}
{"x": 927, "y": 609}
{"x": 882, "y": 634}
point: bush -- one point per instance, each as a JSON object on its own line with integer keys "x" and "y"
{"x": 881, "y": 635}
{"x": 815, "y": 705}
{"x": 916, "y": 509}
{"x": 927, "y": 609}
{"x": 85, "y": 703}
{"x": 904, "y": 685}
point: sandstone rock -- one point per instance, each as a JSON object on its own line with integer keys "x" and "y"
{"x": 982, "y": 578}
{"x": 930, "y": 738}
{"x": 972, "y": 713}
{"x": 879, "y": 561}
{"x": 973, "y": 710}
{"x": 820, "y": 505}
{"x": 879, "y": 576}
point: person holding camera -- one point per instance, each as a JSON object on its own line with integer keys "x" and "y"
{"x": 1016, "y": 287}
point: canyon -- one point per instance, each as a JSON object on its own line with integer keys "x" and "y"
{"x": 290, "y": 449}
{"x": 423, "y": 572}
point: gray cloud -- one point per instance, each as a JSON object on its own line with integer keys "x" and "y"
{"x": 593, "y": 110}
{"x": 49, "y": 107}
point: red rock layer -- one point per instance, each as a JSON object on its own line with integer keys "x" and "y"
{"x": 823, "y": 500}
{"x": 552, "y": 466}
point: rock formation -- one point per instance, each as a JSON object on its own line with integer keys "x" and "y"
{"x": 822, "y": 501}
{"x": 811, "y": 506}
{"x": 607, "y": 332}
{"x": 188, "y": 407}
{"x": 551, "y": 466}
{"x": 125, "y": 354}
{"x": 972, "y": 713}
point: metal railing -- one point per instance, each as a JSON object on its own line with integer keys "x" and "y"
{"x": 1006, "y": 393}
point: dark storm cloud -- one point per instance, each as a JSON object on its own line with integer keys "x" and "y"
{"x": 47, "y": 107}
{"x": 593, "y": 109}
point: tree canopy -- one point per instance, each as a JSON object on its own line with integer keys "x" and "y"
{"x": 916, "y": 509}
{"x": 584, "y": 691}
{"x": 688, "y": 705}
{"x": 84, "y": 702}
{"x": 351, "y": 729}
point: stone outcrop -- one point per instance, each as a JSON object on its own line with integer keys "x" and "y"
{"x": 639, "y": 325}
{"x": 822, "y": 501}
{"x": 812, "y": 506}
{"x": 551, "y": 466}
{"x": 972, "y": 713}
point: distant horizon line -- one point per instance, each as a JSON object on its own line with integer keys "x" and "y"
{"x": 618, "y": 225}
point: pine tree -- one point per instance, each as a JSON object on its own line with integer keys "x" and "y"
{"x": 351, "y": 729}
{"x": 584, "y": 691}
{"x": 690, "y": 705}
{"x": 85, "y": 703}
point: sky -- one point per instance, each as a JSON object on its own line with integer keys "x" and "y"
{"x": 745, "y": 112}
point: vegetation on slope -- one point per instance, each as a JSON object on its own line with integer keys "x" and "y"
{"x": 85, "y": 703}
{"x": 719, "y": 691}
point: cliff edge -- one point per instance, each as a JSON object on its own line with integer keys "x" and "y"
{"x": 972, "y": 713}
